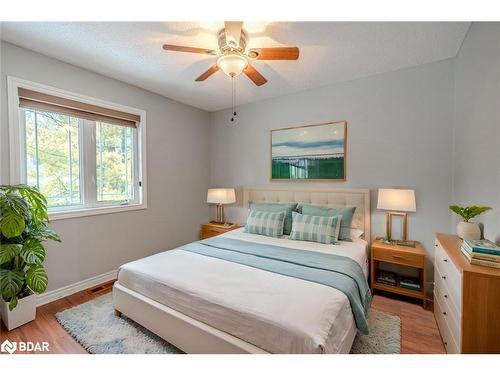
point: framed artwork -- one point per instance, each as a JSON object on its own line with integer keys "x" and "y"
{"x": 312, "y": 152}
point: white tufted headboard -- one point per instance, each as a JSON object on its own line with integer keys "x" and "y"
{"x": 320, "y": 196}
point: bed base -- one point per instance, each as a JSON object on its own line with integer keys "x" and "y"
{"x": 187, "y": 334}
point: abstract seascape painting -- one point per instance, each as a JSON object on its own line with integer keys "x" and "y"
{"x": 313, "y": 152}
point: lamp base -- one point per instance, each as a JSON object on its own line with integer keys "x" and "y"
{"x": 219, "y": 214}
{"x": 404, "y": 224}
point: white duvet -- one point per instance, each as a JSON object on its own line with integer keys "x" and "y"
{"x": 277, "y": 313}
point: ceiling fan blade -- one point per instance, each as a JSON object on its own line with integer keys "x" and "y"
{"x": 208, "y": 73}
{"x": 254, "y": 75}
{"x": 284, "y": 53}
{"x": 233, "y": 31}
{"x": 171, "y": 47}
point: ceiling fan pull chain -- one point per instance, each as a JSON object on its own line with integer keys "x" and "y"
{"x": 233, "y": 98}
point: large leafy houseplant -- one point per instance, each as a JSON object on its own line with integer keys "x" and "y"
{"x": 23, "y": 230}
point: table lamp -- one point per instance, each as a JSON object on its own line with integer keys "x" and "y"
{"x": 220, "y": 197}
{"x": 397, "y": 202}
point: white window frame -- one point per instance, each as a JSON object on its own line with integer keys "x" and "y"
{"x": 17, "y": 146}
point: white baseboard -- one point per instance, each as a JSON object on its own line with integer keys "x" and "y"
{"x": 65, "y": 291}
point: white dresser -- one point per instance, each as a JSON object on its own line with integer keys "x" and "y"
{"x": 466, "y": 300}
{"x": 448, "y": 299}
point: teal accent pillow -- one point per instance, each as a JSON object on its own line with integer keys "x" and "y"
{"x": 314, "y": 228}
{"x": 266, "y": 223}
{"x": 347, "y": 214}
{"x": 277, "y": 207}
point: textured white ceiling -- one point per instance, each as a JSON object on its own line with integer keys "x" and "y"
{"x": 329, "y": 52}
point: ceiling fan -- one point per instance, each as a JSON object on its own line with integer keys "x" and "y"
{"x": 232, "y": 56}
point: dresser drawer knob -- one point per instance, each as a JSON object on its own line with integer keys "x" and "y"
{"x": 444, "y": 277}
{"x": 445, "y": 260}
{"x": 444, "y": 312}
{"x": 446, "y": 296}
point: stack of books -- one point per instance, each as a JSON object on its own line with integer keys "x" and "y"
{"x": 409, "y": 283}
{"x": 482, "y": 252}
{"x": 385, "y": 277}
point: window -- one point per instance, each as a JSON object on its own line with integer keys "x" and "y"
{"x": 115, "y": 163}
{"x": 53, "y": 156}
{"x": 82, "y": 159}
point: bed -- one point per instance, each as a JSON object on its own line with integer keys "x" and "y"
{"x": 203, "y": 304}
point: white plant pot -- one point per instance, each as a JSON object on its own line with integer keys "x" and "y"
{"x": 24, "y": 312}
{"x": 468, "y": 231}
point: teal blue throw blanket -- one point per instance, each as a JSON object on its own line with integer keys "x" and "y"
{"x": 335, "y": 271}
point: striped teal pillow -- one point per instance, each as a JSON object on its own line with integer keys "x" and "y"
{"x": 277, "y": 207}
{"x": 266, "y": 223}
{"x": 314, "y": 228}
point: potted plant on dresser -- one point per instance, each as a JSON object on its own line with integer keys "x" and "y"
{"x": 23, "y": 230}
{"x": 465, "y": 229}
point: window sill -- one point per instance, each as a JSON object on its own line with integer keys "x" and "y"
{"x": 60, "y": 215}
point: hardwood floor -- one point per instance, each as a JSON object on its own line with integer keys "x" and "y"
{"x": 46, "y": 328}
{"x": 419, "y": 330}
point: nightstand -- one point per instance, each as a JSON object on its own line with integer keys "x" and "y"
{"x": 210, "y": 229}
{"x": 400, "y": 255}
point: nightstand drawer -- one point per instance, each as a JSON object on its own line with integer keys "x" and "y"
{"x": 211, "y": 230}
{"x": 206, "y": 232}
{"x": 398, "y": 257}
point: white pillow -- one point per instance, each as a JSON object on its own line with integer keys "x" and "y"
{"x": 356, "y": 233}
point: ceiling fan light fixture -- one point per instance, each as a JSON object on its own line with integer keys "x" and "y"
{"x": 232, "y": 64}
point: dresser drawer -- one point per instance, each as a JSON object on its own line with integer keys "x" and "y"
{"x": 449, "y": 341}
{"x": 449, "y": 275}
{"x": 442, "y": 290}
{"x": 399, "y": 257}
{"x": 448, "y": 307}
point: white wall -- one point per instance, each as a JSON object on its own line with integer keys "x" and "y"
{"x": 178, "y": 173}
{"x": 477, "y": 125}
{"x": 399, "y": 135}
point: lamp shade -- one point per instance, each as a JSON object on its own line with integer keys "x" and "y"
{"x": 221, "y": 196}
{"x": 396, "y": 200}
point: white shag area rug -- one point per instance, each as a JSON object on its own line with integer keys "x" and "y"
{"x": 99, "y": 331}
